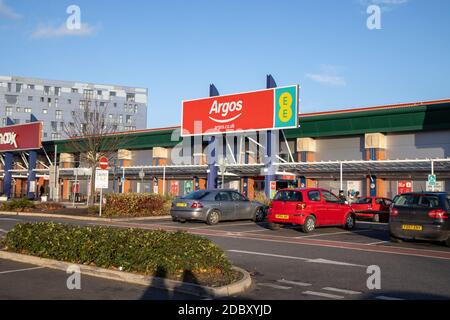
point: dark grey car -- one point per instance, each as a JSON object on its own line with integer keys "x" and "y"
{"x": 422, "y": 216}
{"x": 216, "y": 205}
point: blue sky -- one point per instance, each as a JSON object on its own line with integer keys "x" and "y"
{"x": 177, "y": 48}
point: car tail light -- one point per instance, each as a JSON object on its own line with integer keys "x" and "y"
{"x": 369, "y": 207}
{"x": 196, "y": 205}
{"x": 438, "y": 214}
{"x": 301, "y": 206}
{"x": 394, "y": 212}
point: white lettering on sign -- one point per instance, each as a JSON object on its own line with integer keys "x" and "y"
{"x": 8, "y": 138}
{"x": 223, "y": 109}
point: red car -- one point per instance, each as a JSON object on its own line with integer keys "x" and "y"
{"x": 309, "y": 208}
{"x": 375, "y": 208}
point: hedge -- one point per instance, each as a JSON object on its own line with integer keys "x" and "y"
{"x": 135, "y": 250}
{"x": 22, "y": 204}
{"x": 134, "y": 205}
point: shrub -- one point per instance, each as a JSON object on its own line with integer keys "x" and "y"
{"x": 94, "y": 210}
{"x": 49, "y": 206}
{"x": 135, "y": 250}
{"x": 134, "y": 205}
{"x": 261, "y": 197}
{"x": 17, "y": 205}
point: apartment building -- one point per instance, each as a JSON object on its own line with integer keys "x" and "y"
{"x": 55, "y": 102}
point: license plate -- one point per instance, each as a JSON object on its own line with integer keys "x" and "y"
{"x": 282, "y": 216}
{"x": 411, "y": 227}
{"x": 181, "y": 204}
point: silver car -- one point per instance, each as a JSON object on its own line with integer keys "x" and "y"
{"x": 216, "y": 205}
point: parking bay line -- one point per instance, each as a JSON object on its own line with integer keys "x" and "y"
{"x": 335, "y": 233}
{"x": 274, "y": 286}
{"x": 295, "y": 283}
{"x": 341, "y": 290}
{"x": 315, "y": 260}
{"x": 4, "y": 231}
{"x": 20, "y": 270}
{"x": 323, "y": 295}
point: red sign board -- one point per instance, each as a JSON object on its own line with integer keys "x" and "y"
{"x": 21, "y": 137}
{"x": 103, "y": 163}
{"x": 174, "y": 187}
{"x": 258, "y": 110}
{"x": 404, "y": 186}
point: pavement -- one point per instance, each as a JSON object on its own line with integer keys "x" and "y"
{"x": 328, "y": 264}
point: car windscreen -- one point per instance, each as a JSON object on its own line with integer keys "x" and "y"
{"x": 196, "y": 195}
{"x": 364, "y": 201}
{"x": 420, "y": 200}
{"x": 289, "y": 195}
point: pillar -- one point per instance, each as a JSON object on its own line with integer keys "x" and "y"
{"x": 269, "y": 153}
{"x": 124, "y": 158}
{"x": 160, "y": 156}
{"x": 375, "y": 149}
{"x": 66, "y": 160}
{"x": 32, "y": 159}
{"x": 212, "y": 168}
{"x": 306, "y": 152}
{"x": 9, "y": 159}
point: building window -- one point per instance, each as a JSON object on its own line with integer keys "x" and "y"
{"x": 128, "y": 119}
{"x": 82, "y": 104}
{"x": 54, "y": 125}
{"x": 120, "y": 118}
{"x": 74, "y": 90}
{"x": 69, "y": 101}
{"x": 135, "y": 108}
{"x": 30, "y": 98}
{"x": 16, "y": 121}
{"x": 27, "y": 121}
{"x": 115, "y": 104}
{"x": 99, "y": 92}
{"x": 27, "y": 110}
{"x": 112, "y": 94}
{"x": 8, "y": 111}
{"x": 18, "y": 109}
{"x": 56, "y": 136}
{"x": 9, "y": 86}
{"x": 57, "y": 91}
{"x": 18, "y": 87}
{"x": 88, "y": 94}
{"x": 45, "y": 134}
{"x": 44, "y": 111}
{"x": 56, "y": 102}
{"x": 58, "y": 115}
{"x": 47, "y": 90}
{"x": 30, "y": 86}
{"x": 42, "y": 99}
{"x": 130, "y": 97}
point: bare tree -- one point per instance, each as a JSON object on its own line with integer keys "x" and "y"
{"x": 91, "y": 134}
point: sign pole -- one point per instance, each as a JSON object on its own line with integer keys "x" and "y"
{"x": 101, "y": 202}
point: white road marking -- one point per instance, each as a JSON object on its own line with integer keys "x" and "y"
{"x": 378, "y": 242}
{"x": 222, "y": 226}
{"x": 271, "y": 285}
{"x": 260, "y": 230}
{"x": 335, "y": 233}
{"x": 387, "y": 298}
{"x": 341, "y": 290}
{"x": 8, "y": 219}
{"x": 324, "y": 295}
{"x": 320, "y": 260}
{"x": 295, "y": 283}
{"x": 4, "y": 231}
{"x": 20, "y": 270}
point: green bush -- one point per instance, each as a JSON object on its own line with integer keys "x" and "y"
{"x": 134, "y": 205}
{"x": 23, "y": 204}
{"x": 94, "y": 210}
{"x": 135, "y": 250}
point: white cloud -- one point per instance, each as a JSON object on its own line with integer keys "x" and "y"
{"x": 328, "y": 75}
{"x": 7, "y": 12}
{"x": 63, "y": 31}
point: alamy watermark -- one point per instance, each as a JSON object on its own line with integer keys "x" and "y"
{"x": 73, "y": 22}
{"x": 374, "y": 20}
{"x": 74, "y": 280}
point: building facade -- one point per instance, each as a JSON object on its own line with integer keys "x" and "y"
{"x": 54, "y": 103}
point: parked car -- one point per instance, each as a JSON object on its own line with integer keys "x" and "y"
{"x": 216, "y": 205}
{"x": 422, "y": 216}
{"x": 309, "y": 208}
{"x": 375, "y": 208}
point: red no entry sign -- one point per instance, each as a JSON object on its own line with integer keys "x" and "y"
{"x": 103, "y": 163}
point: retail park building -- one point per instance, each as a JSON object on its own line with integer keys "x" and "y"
{"x": 379, "y": 151}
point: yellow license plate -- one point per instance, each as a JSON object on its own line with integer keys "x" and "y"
{"x": 181, "y": 204}
{"x": 411, "y": 227}
{"x": 282, "y": 216}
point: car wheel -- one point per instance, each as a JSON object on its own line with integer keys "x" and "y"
{"x": 259, "y": 215}
{"x": 174, "y": 219}
{"x": 447, "y": 243}
{"x": 274, "y": 226}
{"x": 349, "y": 222}
{"x": 213, "y": 217}
{"x": 376, "y": 218}
{"x": 182, "y": 220}
{"x": 309, "y": 225}
{"x": 395, "y": 239}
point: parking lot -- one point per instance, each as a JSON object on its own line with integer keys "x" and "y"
{"x": 330, "y": 263}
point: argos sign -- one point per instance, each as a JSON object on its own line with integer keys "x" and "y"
{"x": 275, "y": 108}
{"x": 21, "y": 137}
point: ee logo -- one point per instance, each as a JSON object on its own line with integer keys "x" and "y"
{"x": 285, "y": 102}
